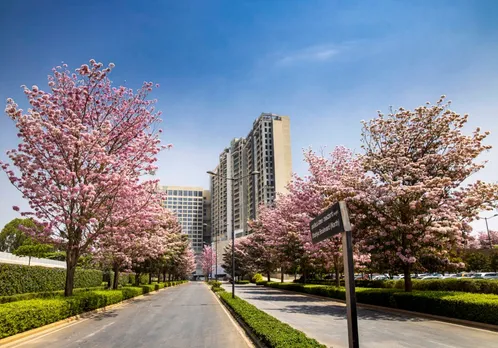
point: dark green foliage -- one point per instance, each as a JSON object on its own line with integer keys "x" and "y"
{"x": 468, "y": 306}
{"x": 477, "y": 261}
{"x": 474, "y": 307}
{"x": 262, "y": 282}
{"x": 271, "y": 331}
{"x": 12, "y": 237}
{"x": 481, "y": 286}
{"x": 242, "y": 282}
{"x": 19, "y": 279}
{"x": 33, "y": 250}
{"x": 24, "y": 315}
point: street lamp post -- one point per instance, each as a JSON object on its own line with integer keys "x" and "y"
{"x": 233, "y": 179}
{"x": 487, "y": 229}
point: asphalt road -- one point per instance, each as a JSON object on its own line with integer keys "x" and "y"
{"x": 325, "y": 321}
{"x": 183, "y": 316}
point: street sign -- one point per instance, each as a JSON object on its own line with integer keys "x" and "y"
{"x": 327, "y": 224}
{"x": 334, "y": 220}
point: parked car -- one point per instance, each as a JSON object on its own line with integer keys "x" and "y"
{"x": 450, "y": 276}
{"x": 431, "y": 277}
{"x": 381, "y": 277}
{"x": 398, "y": 277}
{"x": 486, "y": 275}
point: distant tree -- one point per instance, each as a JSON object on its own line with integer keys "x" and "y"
{"x": 12, "y": 237}
{"x": 33, "y": 250}
{"x": 206, "y": 260}
{"x": 477, "y": 261}
{"x": 493, "y": 261}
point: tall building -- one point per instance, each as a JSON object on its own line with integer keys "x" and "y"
{"x": 192, "y": 206}
{"x": 267, "y": 150}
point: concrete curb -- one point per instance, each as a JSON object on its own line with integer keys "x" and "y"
{"x": 45, "y": 329}
{"x": 454, "y": 321}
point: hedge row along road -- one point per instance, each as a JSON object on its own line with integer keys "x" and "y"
{"x": 188, "y": 315}
{"x": 325, "y": 321}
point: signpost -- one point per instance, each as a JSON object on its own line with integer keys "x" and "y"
{"x": 332, "y": 221}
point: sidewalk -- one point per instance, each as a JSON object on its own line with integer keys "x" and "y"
{"x": 325, "y": 320}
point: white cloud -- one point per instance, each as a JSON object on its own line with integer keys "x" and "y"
{"x": 318, "y": 53}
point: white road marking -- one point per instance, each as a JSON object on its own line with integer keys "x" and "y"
{"x": 95, "y": 332}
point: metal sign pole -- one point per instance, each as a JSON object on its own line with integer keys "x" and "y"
{"x": 347, "y": 246}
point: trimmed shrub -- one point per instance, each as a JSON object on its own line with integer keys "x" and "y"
{"x": 474, "y": 307}
{"x": 214, "y": 283}
{"x": 257, "y": 278}
{"x": 271, "y": 331}
{"x": 19, "y": 279}
{"x": 45, "y": 294}
{"x": 25, "y": 315}
{"x": 480, "y": 286}
{"x": 29, "y": 314}
{"x": 242, "y": 282}
{"x": 262, "y": 282}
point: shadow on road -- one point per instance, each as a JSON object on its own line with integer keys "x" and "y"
{"x": 104, "y": 315}
{"x": 340, "y": 313}
{"x": 284, "y": 298}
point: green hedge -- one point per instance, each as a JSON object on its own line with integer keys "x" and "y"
{"x": 480, "y": 286}
{"x": 45, "y": 294}
{"x": 262, "y": 282}
{"x": 24, "y": 315}
{"x": 19, "y": 279}
{"x": 468, "y": 306}
{"x": 271, "y": 331}
{"x": 242, "y": 282}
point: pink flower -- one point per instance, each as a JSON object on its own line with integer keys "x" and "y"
{"x": 15, "y": 207}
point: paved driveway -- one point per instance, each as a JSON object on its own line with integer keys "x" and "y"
{"x": 325, "y": 321}
{"x": 183, "y": 316}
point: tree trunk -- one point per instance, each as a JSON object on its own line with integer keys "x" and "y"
{"x": 150, "y": 277}
{"x": 281, "y": 275}
{"x": 336, "y": 270}
{"x": 29, "y": 260}
{"x": 115, "y": 268}
{"x": 71, "y": 261}
{"x": 164, "y": 276}
{"x": 268, "y": 276}
{"x": 158, "y": 276}
{"x": 408, "y": 278}
{"x": 169, "y": 277}
{"x": 137, "y": 279}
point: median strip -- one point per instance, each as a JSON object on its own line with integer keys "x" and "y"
{"x": 266, "y": 330}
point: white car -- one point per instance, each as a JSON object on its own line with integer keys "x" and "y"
{"x": 380, "y": 277}
{"x": 431, "y": 277}
{"x": 487, "y": 275}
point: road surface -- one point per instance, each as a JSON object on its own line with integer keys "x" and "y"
{"x": 325, "y": 321}
{"x": 183, "y": 316}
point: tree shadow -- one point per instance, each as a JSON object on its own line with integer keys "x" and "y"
{"x": 339, "y": 312}
{"x": 284, "y": 298}
{"x": 104, "y": 315}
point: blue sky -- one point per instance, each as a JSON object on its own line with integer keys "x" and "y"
{"x": 326, "y": 64}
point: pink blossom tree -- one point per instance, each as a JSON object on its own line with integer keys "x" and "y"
{"x": 487, "y": 241}
{"x": 83, "y": 146}
{"x": 207, "y": 259}
{"x": 417, "y": 202}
